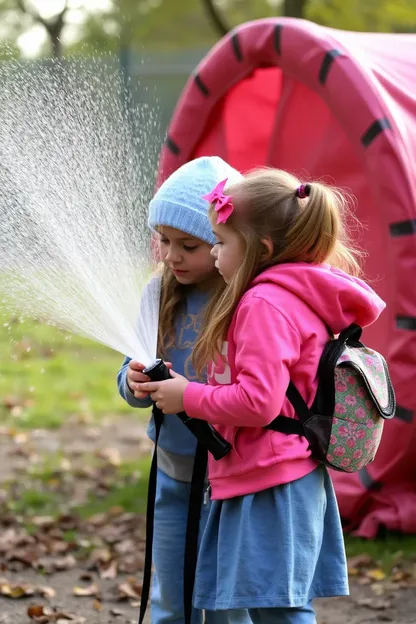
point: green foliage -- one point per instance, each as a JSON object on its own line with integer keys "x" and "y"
{"x": 364, "y": 15}
{"x": 47, "y": 376}
{"x": 173, "y": 24}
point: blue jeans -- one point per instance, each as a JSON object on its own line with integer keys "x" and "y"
{"x": 299, "y": 615}
{"x": 171, "y": 511}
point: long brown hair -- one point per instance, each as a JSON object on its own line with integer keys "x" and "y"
{"x": 173, "y": 296}
{"x": 266, "y": 207}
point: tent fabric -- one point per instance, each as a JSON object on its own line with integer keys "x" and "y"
{"x": 340, "y": 106}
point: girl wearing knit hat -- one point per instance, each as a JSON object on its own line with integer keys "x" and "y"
{"x": 179, "y": 215}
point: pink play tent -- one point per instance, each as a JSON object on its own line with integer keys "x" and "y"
{"x": 339, "y": 106}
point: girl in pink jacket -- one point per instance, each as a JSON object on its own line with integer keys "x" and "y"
{"x": 273, "y": 540}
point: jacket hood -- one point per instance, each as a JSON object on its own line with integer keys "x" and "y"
{"x": 336, "y": 297}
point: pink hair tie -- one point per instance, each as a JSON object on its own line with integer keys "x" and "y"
{"x": 303, "y": 191}
{"x": 223, "y": 205}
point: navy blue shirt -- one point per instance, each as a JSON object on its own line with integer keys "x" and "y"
{"x": 174, "y": 436}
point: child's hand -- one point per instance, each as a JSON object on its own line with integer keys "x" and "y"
{"x": 135, "y": 377}
{"x": 168, "y": 395}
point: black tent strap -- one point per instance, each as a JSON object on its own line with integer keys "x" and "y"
{"x": 171, "y": 145}
{"x": 278, "y": 38}
{"x": 404, "y": 414}
{"x": 403, "y": 228}
{"x": 406, "y": 322}
{"x": 236, "y": 47}
{"x": 367, "y": 481}
{"x": 201, "y": 85}
{"x": 329, "y": 58}
{"x": 376, "y": 128}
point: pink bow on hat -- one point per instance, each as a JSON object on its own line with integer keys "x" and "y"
{"x": 223, "y": 204}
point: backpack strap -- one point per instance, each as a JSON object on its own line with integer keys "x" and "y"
{"x": 192, "y": 528}
{"x": 150, "y": 514}
{"x": 290, "y": 425}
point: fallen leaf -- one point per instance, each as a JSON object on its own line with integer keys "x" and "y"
{"x": 35, "y": 611}
{"x": 401, "y": 575}
{"x": 375, "y": 604}
{"x": 43, "y": 521}
{"x": 16, "y": 590}
{"x": 86, "y": 576}
{"x": 41, "y": 614}
{"x": 90, "y": 590}
{"x": 65, "y": 563}
{"x": 129, "y": 589}
{"x": 97, "y": 605}
{"x": 116, "y": 612}
{"x": 376, "y": 574}
{"x": 98, "y": 519}
{"x": 21, "y": 437}
{"x": 110, "y": 571}
{"x": 360, "y": 561}
{"x": 126, "y": 546}
{"x": 112, "y": 455}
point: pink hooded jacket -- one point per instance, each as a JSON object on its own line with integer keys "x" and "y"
{"x": 278, "y": 333}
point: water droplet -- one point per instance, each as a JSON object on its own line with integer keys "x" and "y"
{"x": 78, "y": 154}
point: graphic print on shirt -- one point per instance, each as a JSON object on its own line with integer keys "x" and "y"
{"x": 188, "y": 329}
{"x": 220, "y": 371}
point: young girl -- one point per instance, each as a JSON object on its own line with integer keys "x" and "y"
{"x": 273, "y": 540}
{"x": 179, "y": 215}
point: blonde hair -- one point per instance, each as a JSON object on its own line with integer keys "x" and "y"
{"x": 267, "y": 207}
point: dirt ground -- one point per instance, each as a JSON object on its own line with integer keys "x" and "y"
{"x": 115, "y": 599}
{"x": 362, "y": 607}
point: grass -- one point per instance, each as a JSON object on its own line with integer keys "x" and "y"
{"x": 47, "y": 375}
{"x": 387, "y": 551}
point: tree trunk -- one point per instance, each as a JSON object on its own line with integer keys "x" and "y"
{"x": 54, "y": 27}
{"x": 294, "y": 8}
{"x": 216, "y": 17}
{"x": 56, "y": 43}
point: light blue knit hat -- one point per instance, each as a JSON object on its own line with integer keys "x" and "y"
{"x": 178, "y": 203}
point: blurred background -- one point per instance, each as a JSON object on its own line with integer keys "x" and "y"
{"x": 158, "y": 43}
{"x": 74, "y": 456}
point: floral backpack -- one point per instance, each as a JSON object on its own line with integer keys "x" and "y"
{"x": 354, "y": 397}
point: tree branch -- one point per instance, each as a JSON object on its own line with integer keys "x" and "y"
{"x": 294, "y": 8}
{"x": 48, "y": 24}
{"x": 216, "y": 18}
{"x": 53, "y": 26}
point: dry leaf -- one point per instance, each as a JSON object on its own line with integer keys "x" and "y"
{"x": 65, "y": 563}
{"x": 46, "y": 592}
{"x": 100, "y": 555}
{"x": 360, "y": 561}
{"x": 35, "y": 611}
{"x": 376, "y": 574}
{"x": 112, "y": 455}
{"x": 90, "y": 590}
{"x": 116, "y": 612}
{"x": 86, "y": 576}
{"x": 401, "y": 575}
{"x": 110, "y": 571}
{"x": 16, "y": 590}
{"x": 97, "y": 605}
{"x": 129, "y": 590}
{"x": 98, "y": 519}
{"x": 376, "y": 604}
{"x": 43, "y": 521}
